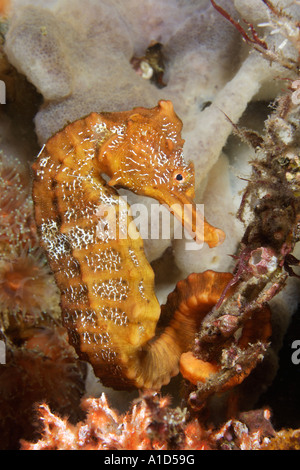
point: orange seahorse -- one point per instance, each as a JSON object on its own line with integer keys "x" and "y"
{"x": 107, "y": 285}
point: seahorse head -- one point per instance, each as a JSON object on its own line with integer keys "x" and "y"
{"x": 146, "y": 156}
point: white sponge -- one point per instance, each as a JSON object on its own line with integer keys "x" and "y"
{"x": 35, "y": 47}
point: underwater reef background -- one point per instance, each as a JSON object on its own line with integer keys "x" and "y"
{"x": 231, "y": 70}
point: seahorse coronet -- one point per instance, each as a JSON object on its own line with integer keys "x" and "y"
{"x": 107, "y": 285}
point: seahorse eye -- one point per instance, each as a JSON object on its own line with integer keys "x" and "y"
{"x": 178, "y": 177}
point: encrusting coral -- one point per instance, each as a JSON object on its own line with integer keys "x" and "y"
{"x": 151, "y": 424}
{"x": 223, "y": 318}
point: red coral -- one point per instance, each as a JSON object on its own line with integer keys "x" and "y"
{"x": 151, "y": 424}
